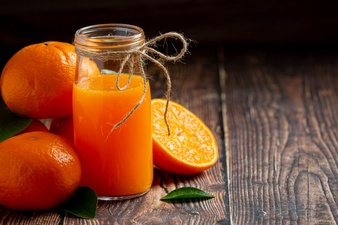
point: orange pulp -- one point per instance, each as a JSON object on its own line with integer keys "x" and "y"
{"x": 115, "y": 162}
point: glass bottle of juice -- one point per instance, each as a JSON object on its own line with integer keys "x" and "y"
{"x": 112, "y": 112}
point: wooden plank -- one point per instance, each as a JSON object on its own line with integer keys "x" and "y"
{"x": 281, "y": 129}
{"x": 196, "y": 86}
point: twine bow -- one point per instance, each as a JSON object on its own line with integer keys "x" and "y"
{"x": 146, "y": 51}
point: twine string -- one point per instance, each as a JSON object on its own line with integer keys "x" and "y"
{"x": 146, "y": 51}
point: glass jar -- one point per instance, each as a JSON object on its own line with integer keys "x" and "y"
{"x": 112, "y": 111}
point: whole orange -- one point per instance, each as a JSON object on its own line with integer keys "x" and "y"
{"x": 190, "y": 148}
{"x": 63, "y": 127}
{"x": 37, "y": 81}
{"x": 35, "y": 125}
{"x": 38, "y": 171}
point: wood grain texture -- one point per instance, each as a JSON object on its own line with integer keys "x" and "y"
{"x": 275, "y": 117}
{"x": 281, "y": 129}
{"x": 196, "y": 86}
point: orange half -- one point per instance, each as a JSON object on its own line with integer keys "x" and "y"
{"x": 191, "y": 147}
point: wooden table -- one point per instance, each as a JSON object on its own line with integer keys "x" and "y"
{"x": 274, "y": 113}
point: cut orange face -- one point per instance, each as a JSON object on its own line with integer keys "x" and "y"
{"x": 191, "y": 147}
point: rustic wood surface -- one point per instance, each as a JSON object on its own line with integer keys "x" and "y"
{"x": 281, "y": 136}
{"x": 274, "y": 115}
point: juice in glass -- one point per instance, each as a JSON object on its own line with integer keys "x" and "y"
{"x": 115, "y": 163}
{"x": 116, "y": 160}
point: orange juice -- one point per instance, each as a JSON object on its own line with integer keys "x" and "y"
{"x": 114, "y": 162}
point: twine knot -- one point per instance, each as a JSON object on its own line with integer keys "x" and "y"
{"x": 146, "y": 51}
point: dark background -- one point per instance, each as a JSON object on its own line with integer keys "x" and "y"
{"x": 208, "y": 22}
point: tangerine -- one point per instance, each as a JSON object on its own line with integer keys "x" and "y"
{"x": 35, "y": 125}
{"x": 37, "y": 81}
{"x": 38, "y": 171}
{"x": 63, "y": 127}
{"x": 191, "y": 146}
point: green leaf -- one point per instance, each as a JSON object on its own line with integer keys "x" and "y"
{"x": 82, "y": 204}
{"x": 10, "y": 123}
{"x": 187, "y": 193}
